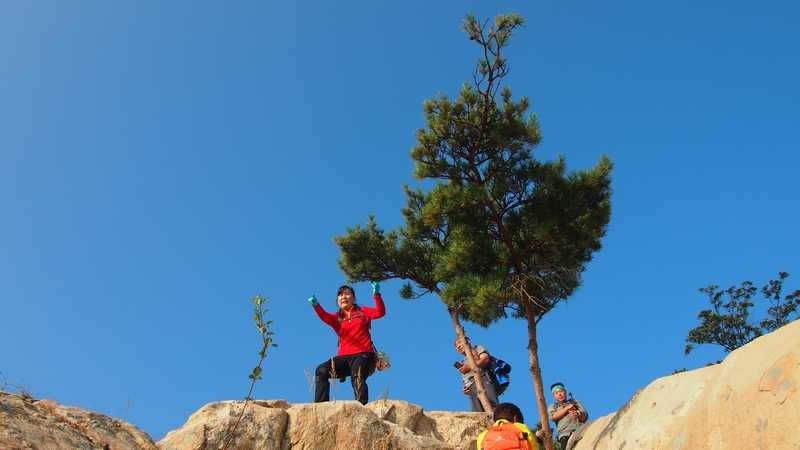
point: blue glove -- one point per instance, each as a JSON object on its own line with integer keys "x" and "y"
{"x": 376, "y": 287}
{"x": 313, "y": 300}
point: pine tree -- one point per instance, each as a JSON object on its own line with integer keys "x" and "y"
{"x": 499, "y": 231}
{"x": 541, "y": 223}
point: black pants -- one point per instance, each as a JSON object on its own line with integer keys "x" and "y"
{"x": 357, "y": 367}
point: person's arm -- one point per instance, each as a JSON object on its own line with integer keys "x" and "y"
{"x": 380, "y": 309}
{"x": 483, "y": 360}
{"x": 558, "y": 414}
{"x": 330, "y": 319}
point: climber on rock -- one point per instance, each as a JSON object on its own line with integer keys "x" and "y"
{"x": 356, "y": 356}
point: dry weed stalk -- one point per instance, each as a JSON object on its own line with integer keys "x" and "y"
{"x": 359, "y": 380}
{"x": 385, "y": 393}
{"x": 310, "y": 380}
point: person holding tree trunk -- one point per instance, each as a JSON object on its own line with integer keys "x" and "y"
{"x": 356, "y": 356}
{"x": 483, "y": 361}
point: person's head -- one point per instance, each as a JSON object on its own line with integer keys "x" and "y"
{"x": 346, "y": 298}
{"x": 559, "y": 391}
{"x": 509, "y": 412}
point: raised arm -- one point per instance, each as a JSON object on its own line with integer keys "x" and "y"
{"x": 380, "y": 309}
{"x": 326, "y": 317}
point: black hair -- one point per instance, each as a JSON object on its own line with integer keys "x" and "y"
{"x": 558, "y": 384}
{"x": 341, "y": 289}
{"x": 508, "y": 411}
{"x": 345, "y": 287}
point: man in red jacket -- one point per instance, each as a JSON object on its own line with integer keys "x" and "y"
{"x": 356, "y": 355}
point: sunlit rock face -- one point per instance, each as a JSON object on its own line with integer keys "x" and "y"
{"x": 31, "y": 424}
{"x": 266, "y": 424}
{"x": 750, "y": 400}
{"x": 337, "y": 425}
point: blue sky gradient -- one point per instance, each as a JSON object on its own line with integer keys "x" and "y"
{"x": 162, "y": 162}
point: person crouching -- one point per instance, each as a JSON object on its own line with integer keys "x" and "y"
{"x": 356, "y": 356}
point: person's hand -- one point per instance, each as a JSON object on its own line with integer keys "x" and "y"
{"x": 376, "y": 287}
{"x": 465, "y": 368}
{"x": 574, "y": 412}
{"x": 467, "y": 390}
{"x": 313, "y": 300}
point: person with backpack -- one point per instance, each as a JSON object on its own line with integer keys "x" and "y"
{"x": 508, "y": 431}
{"x": 356, "y": 355}
{"x": 484, "y": 362}
{"x": 568, "y": 414}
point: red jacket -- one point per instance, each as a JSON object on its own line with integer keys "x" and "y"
{"x": 354, "y": 332}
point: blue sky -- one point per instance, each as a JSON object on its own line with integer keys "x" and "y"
{"x": 162, "y": 162}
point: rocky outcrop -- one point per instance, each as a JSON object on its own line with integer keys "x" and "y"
{"x": 750, "y": 400}
{"x": 45, "y": 425}
{"x": 263, "y": 425}
{"x": 266, "y": 424}
{"x": 338, "y": 425}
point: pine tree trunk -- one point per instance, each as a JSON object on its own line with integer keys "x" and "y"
{"x": 536, "y": 372}
{"x": 476, "y": 373}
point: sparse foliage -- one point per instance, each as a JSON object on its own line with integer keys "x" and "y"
{"x": 729, "y": 324}
{"x": 19, "y": 389}
{"x": 264, "y": 329}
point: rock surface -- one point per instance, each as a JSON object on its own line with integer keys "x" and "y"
{"x": 460, "y": 429}
{"x": 46, "y": 425}
{"x": 750, "y": 401}
{"x": 263, "y": 425}
{"x": 337, "y": 425}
